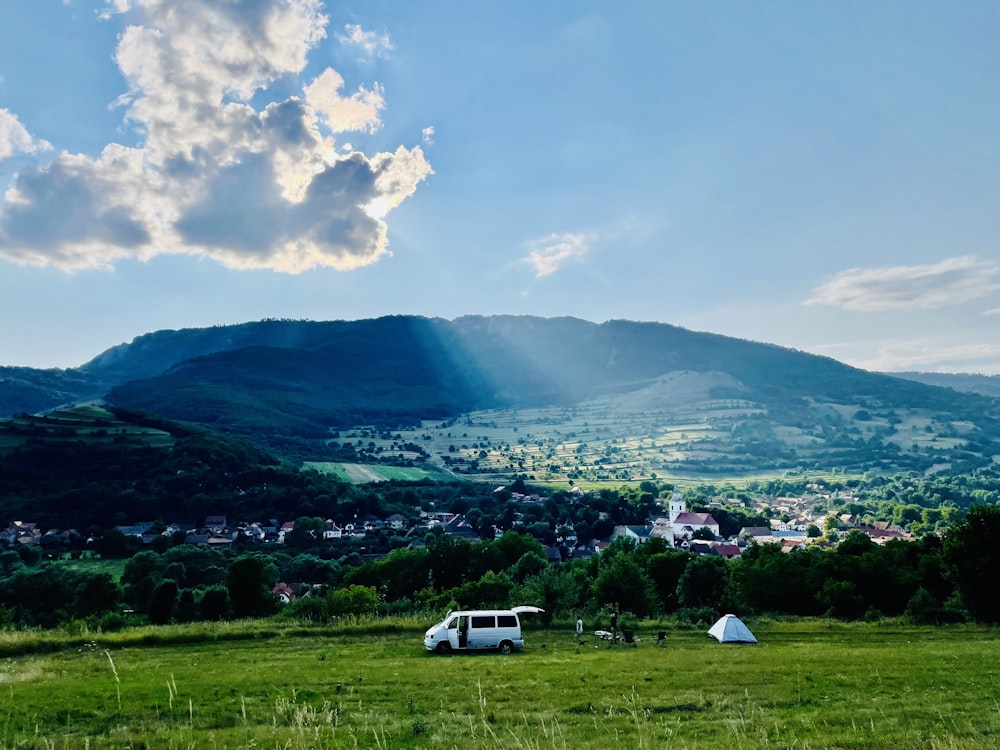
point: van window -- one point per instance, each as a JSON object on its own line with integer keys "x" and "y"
{"x": 507, "y": 621}
{"x": 452, "y": 623}
{"x": 483, "y": 621}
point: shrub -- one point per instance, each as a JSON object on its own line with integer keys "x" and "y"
{"x": 353, "y": 600}
{"x": 308, "y": 609}
{"x": 698, "y": 616}
{"x": 214, "y": 603}
{"x": 112, "y": 622}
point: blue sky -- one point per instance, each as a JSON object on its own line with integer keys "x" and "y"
{"x": 821, "y": 175}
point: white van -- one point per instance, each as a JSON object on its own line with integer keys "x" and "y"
{"x": 478, "y": 630}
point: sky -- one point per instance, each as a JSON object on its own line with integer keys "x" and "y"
{"x": 823, "y": 176}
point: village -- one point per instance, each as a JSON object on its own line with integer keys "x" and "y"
{"x": 793, "y": 523}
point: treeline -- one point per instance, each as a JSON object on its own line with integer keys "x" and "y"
{"x": 933, "y": 580}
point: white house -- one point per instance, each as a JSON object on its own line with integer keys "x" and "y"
{"x": 638, "y": 534}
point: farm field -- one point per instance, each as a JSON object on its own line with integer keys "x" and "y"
{"x": 87, "y": 422}
{"x": 808, "y": 684}
{"x": 364, "y": 473}
{"x": 590, "y": 445}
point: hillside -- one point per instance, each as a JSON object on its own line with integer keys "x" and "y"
{"x": 88, "y": 465}
{"x": 617, "y": 400}
{"x": 25, "y": 389}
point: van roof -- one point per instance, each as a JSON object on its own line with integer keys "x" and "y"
{"x": 516, "y": 610}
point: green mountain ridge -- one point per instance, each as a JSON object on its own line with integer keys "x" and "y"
{"x": 291, "y": 385}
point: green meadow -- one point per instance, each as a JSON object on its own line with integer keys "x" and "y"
{"x": 365, "y": 473}
{"x": 807, "y": 684}
{"x": 594, "y": 445}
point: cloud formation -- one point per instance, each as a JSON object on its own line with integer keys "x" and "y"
{"x": 553, "y": 252}
{"x": 15, "y": 138}
{"x": 950, "y": 282}
{"x": 262, "y": 186}
{"x": 370, "y": 43}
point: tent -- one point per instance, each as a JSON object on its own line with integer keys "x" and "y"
{"x": 730, "y": 629}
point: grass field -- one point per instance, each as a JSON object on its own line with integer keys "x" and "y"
{"x": 586, "y": 446}
{"x": 808, "y": 684}
{"x": 364, "y": 473}
{"x": 112, "y": 566}
{"x": 86, "y": 422}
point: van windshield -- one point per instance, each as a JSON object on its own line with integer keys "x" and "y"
{"x": 451, "y": 622}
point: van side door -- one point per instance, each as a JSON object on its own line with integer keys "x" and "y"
{"x": 483, "y": 633}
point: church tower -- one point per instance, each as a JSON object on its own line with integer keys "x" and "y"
{"x": 676, "y": 506}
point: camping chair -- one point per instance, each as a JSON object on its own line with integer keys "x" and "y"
{"x": 661, "y": 638}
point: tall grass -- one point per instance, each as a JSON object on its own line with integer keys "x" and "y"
{"x": 808, "y": 684}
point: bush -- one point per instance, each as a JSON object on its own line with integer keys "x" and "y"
{"x": 112, "y": 622}
{"x": 698, "y": 616}
{"x": 353, "y": 600}
{"x": 308, "y": 609}
{"x": 214, "y": 603}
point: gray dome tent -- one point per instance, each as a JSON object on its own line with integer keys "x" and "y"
{"x": 730, "y": 629}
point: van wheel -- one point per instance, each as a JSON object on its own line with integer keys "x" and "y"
{"x": 444, "y": 647}
{"x": 506, "y": 647}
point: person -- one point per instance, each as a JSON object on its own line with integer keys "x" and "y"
{"x": 614, "y": 625}
{"x": 579, "y": 628}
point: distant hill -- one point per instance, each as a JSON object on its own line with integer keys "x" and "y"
{"x": 984, "y": 385}
{"x": 25, "y": 389}
{"x": 739, "y": 405}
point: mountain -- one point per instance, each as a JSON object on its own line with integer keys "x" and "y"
{"x": 703, "y": 401}
{"x": 984, "y": 385}
{"x": 25, "y": 389}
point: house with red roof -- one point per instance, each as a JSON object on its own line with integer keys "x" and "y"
{"x": 683, "y": 523}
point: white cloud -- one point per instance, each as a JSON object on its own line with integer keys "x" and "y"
{"x": 360, "y": 111}
{"x": 372, "y": 44}
{"x": 15, "y": 138}
{"x": 553, "y": 252}
{"x": 213, "y": 174}
{"x": 992, "y": 311}
{"x": 928, "y": 355}
{"x": 427, "y": 135}
{"x": 950, "y": 282}
{"x": 114, "y": 7}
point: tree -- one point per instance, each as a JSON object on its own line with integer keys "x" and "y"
{"x": 553, "y": 590}
{"x": 767, "y": 579}
{"x": 97, "y": 595}
{"x": 972, "y": 551}
{"x": 491, "y": 591}
{"x": 622, "y": 582}
{"x": 162, "y": 601}
{"x": 113, "y": 543}
{"x": 214, "y": 603}
{"x": 186, "y": 608}
{"x": 449, "y": 559}
{"x": 249, "y": 581}
{"x": 841, "y": 599}
{"x": 530, "y": 564}
{"x": 142, "y": 573}
{"x": 704, "y": 583}
{"x": 665, "y": 569}
{"x": 353, "y": 600}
